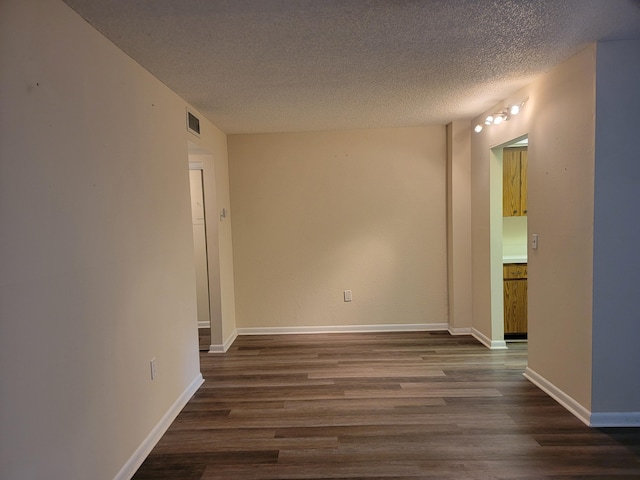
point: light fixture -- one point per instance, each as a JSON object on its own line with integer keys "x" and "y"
{"x": 502, "y": 116}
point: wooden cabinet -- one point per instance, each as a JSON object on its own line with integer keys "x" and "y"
{"x": 515, "y": 300}
{"x": 514, "y": 182}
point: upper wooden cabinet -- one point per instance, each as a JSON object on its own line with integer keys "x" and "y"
{"x": 514, "y": 182}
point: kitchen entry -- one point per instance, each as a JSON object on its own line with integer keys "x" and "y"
{"x": 514, "y": 239}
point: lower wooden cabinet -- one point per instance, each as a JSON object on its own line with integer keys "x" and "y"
{"x": 515, "y": 300}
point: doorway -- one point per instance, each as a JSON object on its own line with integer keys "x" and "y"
{"x": 509, "y": 267}
{"x": 198, "y": 223}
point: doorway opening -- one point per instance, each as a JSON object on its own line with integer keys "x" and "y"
{"x": 198, "y": 223}
{"x": 509, "y": 209}
{"x": 206, "y": 247}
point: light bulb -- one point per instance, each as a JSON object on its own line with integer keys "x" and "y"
{"x": 488, "y": 120}
{"x": 478, "y": 128}
{"x": 515, "y": 109}
{"x": 498, "y": 120}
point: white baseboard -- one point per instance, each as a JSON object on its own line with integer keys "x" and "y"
{"x": 141, "y": 453}
{"x": 459, "y": 330}
{"x": 418, "y": 327}
{"x": 203, "y": 324}
{"x": 615, "y": 419}
{"x": 226, "y": 345}
{"x": 558, "y": 395}
{"x": 487, "y": 342}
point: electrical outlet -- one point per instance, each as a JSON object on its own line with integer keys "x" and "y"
{"x": 347, "y": 296}
{"x": 152, "y": 364}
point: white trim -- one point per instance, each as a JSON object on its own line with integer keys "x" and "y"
{"x": 204, "y": 324}
{"x": 459, "y": 330}
{"x": 487, "y": 342}
{"x": 558, "y": 395}
{"x": 129, "y": 469}
{"x": 409, "y": 327}
{"x": 615, "y": 419}
{"x": 226, "y": 345}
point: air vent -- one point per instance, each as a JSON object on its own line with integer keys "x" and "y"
{"x": 193, "y": 123}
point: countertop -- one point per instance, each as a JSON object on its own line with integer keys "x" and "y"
{"x": 514, "y": 259}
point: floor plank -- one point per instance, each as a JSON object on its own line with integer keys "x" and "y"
{"x": 393, "y": 406}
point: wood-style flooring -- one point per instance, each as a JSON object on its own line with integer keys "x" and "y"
{"x": 393, "y": 406}
{"x": 204, "y": 339}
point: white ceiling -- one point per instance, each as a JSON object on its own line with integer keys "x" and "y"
{"x": 255, "y": 66}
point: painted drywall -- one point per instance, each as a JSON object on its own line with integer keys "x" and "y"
{"x": 97, "y": 274}
{"x": 560, "y": 119}
{"x": 616, "y": 325}
{"x": 318, "y": 213}
{"x": 459, "y": 225}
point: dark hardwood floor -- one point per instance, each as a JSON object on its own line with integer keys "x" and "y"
{"x": 204, "y": 339}
{"x": 387, "y": 406}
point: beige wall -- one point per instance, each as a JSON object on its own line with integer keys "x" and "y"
{"x": 459, "y": 226}
{"x": 560, "y": 210}
{"x": 317, "y": 213}
{"x": 97, "y": 273}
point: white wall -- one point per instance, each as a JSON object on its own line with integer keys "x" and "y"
{"x": 318, "y": 213}
{"x": 616, "y": 324}
{"x": 559, "y": 118}
{"x": 96, "y": 261}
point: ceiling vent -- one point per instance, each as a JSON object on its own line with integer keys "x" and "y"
{"x": 193, "y": 123}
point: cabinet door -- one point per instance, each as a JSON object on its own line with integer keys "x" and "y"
{"x": 515, "y": 306}
{"x": 511, "y": 199}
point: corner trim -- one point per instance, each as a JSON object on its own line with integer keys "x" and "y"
{"x": 559, "y": 396}
{"x": 615, "y": 419}
{"x": 487, "y": 342}
{"x": 226, "y": 345}
{"x": 459, "y": 330}
{"x": 131, "y": 466}
{"x": 410, "y": 327}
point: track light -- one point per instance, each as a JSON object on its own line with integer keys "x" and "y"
{"x": 502, "y": 116}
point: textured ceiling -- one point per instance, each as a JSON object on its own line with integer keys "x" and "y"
{"x": 300, "y": 65}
